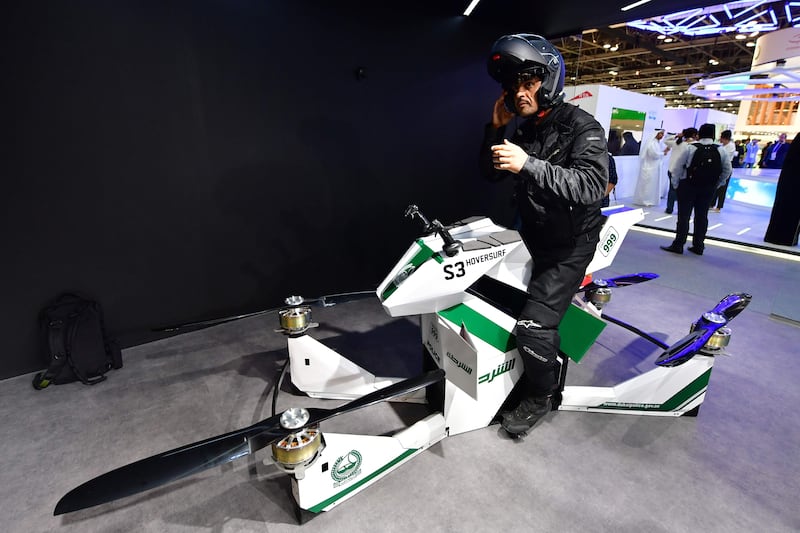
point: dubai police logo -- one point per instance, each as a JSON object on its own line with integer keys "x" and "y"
{"x": 346, "y": 467}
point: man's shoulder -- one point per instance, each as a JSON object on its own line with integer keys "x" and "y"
{"x": 576, "y": 115}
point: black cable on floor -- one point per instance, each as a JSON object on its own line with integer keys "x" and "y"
{"x": 278, "y": 386}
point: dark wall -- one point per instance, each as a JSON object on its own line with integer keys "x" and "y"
{"x": 187, "y": 159}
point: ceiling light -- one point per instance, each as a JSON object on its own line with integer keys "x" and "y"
{"x": 662, "y": 36}
{"x": 750, "y": 44}
{"x": 470, "y": 7}
{"x": 606, "y": 46}
{"x": 635, "y": 4}
{"x": 614, "y": 48}
{"x": 741, "y": 36}
{"x": 613, "y": 72}
{"x": 668, "y": 40}
{"x": 758, "y": 17}
{"x": 637, "y": 72}
{"x": 658, "y": 61}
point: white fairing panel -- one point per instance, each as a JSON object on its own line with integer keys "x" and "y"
{"x": 619, "y": 221}
{"x": 426, "y": 280}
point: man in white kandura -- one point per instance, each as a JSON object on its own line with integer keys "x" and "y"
{"x": 647, "y": 191}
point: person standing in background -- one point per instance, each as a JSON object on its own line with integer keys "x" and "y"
{"x": 763, "y": 158}
{"x": 700, "y": 177}
{"x": 630, "y": 146}
{"x": 738, "y": 159}
{"x": 687, "y": 136}
{"x": 647, "y": 186}
{"x": 612, "y": 180}
{"x": 777, "y": 153}
{"x": 726, "y": 138}
{"x": 750, "y": 153}
{"x": 784, "y": 221}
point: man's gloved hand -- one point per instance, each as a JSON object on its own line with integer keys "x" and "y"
{"x": 508, "y": 156}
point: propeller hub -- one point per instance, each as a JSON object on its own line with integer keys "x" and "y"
{"x": 714, "y": 318}
{"x": 294, "y": 418}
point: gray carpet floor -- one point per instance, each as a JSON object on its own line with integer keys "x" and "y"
{"x": 733, "y": 468}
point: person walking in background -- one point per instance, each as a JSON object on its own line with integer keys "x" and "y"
{"x": 777, "y": 153}
{"x": 750, "y": 153}
{"x": 726, "y": 138}
{"x": 687, "y": 136}
{"x": 701, "y": 168}
{"x": 647, "y": 191}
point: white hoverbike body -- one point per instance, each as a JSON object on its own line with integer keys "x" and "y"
{"x": 472, "y": 339}
{"x": 467, "y": 282}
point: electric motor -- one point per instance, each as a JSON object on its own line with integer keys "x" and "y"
{"x": 298, "y": 449}
{"x": 295, "y": 320}
{"x": 600, "y": 295}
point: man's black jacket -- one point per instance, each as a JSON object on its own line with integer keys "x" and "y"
{"x": 560, "y": 188}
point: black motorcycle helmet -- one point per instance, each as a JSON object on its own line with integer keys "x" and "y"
{"x": 515, "y": 58}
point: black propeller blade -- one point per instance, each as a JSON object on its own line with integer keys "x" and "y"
{"x": 193, "y": 458}
{"x": 619, "y": 281}
{"x": 325, "y": 301}
{"x": 703, "y": 329}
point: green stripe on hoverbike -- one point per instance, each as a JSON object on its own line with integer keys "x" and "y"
{"x": 321, "y": 506}
{"x": 480, "y": 326}
{"x": 678, "y": 401}
{"x": 420, "y": 257}
{"x": 578, "y": 330}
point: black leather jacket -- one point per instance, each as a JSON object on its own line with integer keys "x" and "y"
{"x": 561, "y": 186}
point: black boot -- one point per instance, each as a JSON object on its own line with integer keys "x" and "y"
{"x": 527, "y": 413}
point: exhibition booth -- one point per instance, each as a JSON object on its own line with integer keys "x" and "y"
{"x": 626, "y": 115}
{"x": 629, "y": 119}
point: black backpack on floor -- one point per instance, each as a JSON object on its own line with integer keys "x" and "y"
{"x": 77, "y": 346}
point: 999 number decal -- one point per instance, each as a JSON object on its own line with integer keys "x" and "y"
{"x": 608, "y": 241}
{"x": 456, "y": 270}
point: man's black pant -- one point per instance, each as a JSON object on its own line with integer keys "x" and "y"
{"x": 695, "y": 198}
{"x": 557, "y": 275}
{"x": 718, "y": 197}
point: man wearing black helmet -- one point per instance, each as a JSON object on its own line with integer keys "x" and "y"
{"x": 557, "y": 154}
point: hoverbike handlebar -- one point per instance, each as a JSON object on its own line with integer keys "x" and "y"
{"x": 451, "y": 246}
